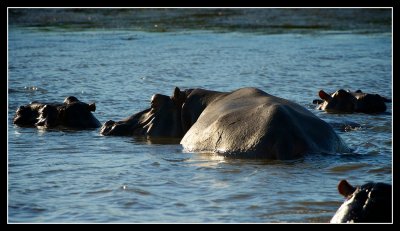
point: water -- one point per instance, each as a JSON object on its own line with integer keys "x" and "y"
{"x": 82, "y": 177}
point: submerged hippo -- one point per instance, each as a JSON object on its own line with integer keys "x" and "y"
{"x": 162, "y": 119}
{"x": 369, "y": 203}
{"x": 244, "y": 123}
{"x": 343, "y": 101}
{"x": 72, "y": 113}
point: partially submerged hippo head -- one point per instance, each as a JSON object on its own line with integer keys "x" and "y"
{"x": 72, "y": 113}
{"x": 162, "y": 119}
{"x": 343, "y": 101}
{"x": 369, "y": 203}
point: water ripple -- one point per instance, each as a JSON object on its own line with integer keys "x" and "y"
{"x": 80, "y": 176}
{"x": 348, "y": 167}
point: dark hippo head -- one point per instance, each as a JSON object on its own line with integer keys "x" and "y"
{"x": 340, "y": 101}
{"x": 369, "y": 203}
{"x": 77, "y": 114}
{"x": 343, "y": 101}
{"x": 72, "y": 113}
{"x": 162, "y": 119}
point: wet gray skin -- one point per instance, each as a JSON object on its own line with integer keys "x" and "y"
{"x": 250, "y": 123}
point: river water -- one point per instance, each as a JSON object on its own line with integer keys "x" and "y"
{"x": 82, "y": 177}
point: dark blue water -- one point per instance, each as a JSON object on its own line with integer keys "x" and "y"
{"x": 81, "y": 176}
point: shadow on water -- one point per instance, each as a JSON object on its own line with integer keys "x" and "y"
{"x": 58, "y": 129}
{"x": 340, "y": 157}
{"x": 155, "y": 140}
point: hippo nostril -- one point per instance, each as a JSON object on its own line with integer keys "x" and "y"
{"x": 317, "y": 101}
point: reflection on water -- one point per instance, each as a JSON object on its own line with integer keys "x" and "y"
{"x": 81, "y": 176}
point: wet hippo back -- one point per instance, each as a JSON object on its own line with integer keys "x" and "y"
{"x": 251, "y": 123}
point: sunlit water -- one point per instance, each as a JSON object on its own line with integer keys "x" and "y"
{"x": 81, "y": 176}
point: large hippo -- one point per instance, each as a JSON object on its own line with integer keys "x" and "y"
{"x": 247, "y": 122}
{"x": 343, "y": 101}
{"x": 72, "y": 113}
{"x": 369, "y": 203}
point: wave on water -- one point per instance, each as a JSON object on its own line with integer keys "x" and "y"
{"x": 28, "y": 89}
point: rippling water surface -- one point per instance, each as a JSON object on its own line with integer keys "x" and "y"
{"x": 81, "y": 176}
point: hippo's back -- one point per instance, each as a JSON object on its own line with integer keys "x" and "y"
{"x": 251, "y": 123}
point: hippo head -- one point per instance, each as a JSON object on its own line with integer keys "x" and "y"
{"x": 162, "y": 119}
{"x": 348, "y": 102}
{"x": 72, "y": 113}
{"x": 371, "y": 202}
{"x": 341, "y": 101}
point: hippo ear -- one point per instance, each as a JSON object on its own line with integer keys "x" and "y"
{"x": 345, "y": 188}
{"x": 358, "y": 91}
{"x": 92, "y": 107}
{"x": 177, "y": 92}
{"x": 325, "y": 96}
